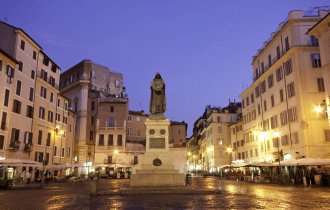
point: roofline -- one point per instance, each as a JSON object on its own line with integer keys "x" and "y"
{"x": 316, "y": 24}
{"x": 50, "y": 59}
{"x": 20, "y": 29}
{"x": 9, "y": 56}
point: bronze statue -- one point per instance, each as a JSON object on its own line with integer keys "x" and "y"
{"x": 158, "y": 99}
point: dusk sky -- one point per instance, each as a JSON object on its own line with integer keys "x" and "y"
{"x": 202, "y": 49}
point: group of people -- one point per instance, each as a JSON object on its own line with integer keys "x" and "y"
{"x": 24, "y": 178}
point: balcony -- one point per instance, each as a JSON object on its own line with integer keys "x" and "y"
{"x": 27, "y": 147}
{"x": 14, "y": 145}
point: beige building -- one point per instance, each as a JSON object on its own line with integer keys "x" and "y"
{"x": 32, "y": 99}
{"x": 279, "y": 108}
{"x": 321, "y": 31}
{"x": 208, "y": 146}
{"x": 7, "y": 64}
{"x": 97, "y": 96}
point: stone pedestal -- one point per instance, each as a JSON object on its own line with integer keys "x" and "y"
{"x": 157, "y": 164}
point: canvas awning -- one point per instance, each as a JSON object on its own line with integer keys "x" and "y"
{"x": 261, "y": 164}
{"x": 19, "y": 162}
{"x": 304, "y": 162}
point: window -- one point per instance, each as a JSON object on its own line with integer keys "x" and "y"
{"x": 2, "y": 140}
{"x": 45, "y": 61}
{"x": 278, "y": 52}
{"x": 288, "y": 67}
{"x": 43, "y": 75}
{"x": 272, "y": 101}
{"x": 295, "y": 138}
{"x": 314, "y": 41}
{"x": 120, "y": 140}
{"x": 257, "y": 90}
{"x": 262, "y": 67}
{"x": 129, "y": 118}
{"x": 29, "y": 111}
{"x": 263, "y": 86}
{"x": 112, "y": 109}
{"x": 15, "y": 134}
{"x": 20, "y": 65}
{"x": 33, "y": 74}
{"x": 63, "y": 152}
{"x": 291, "y": 91}
{"x": 50, "y": 116}
{"x": 65, "y": 120}
{"x": 55, "y": 150}
{"x": 292, "y": 114}
{"x": 92, "y": 105}
{"x": 49, "y": 137}
{"x": 128, "y": 131}
{"x": 101, "y": 139}
{"x": 270, "y": 81}
{"x": 109, "y": 159}
{"x": 34, "y": 55}
{"x": 316, "y": 60}
{"x": 92, "y": 120}
{"x": 31, "y": 94}
{"x": 287, "y": 44}
{"x": 22, "y": 45}
{"x": 91, "y": 135}
{"x": 51, "y": 97}
{"x": 135, "y": 161}
{"x": 27, "y": 137}
{"x": 269, "y": 60}
{"x": 247, "y": 101}
{"x": 3, "y": 120}
{"x": 18, "y": 88}
{"x": 111, "y": 122}
{"x": 39, "y": 156}
{"x": 285, "y": 140}
{"x": 117, "y": 83}
{"x": 256, "y": 152}
{"x": 284, "y": 118}
{"x": 327, "y": 135}
{"x": 10, "y": 73}
{"x": 51, "y": 81}
{"x": 252, "y": 98}
{"x": 110, "y": 140}
{"x": 47, "y": 158}
{"x": 40, "y": 137}
{"x": 279, "y": 74}
{"x": 41, "y": 113}
{"x": 273, "y": 122}
{"x": 68, "y": 152}
{"x": 6, "y": 101}
{"x": 43, "y": 92}
{"x": 320, "y": 85}
{"x": 265, "y": 105}
{"x": 281, "y": 95}
{"x": 58, "y": 117}
{"x": 259, "y": 109}
{"x": 17, "y": 106}
{"x": 53, "y": 68}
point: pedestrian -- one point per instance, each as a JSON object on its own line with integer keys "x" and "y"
{"x": 23, "y": 178}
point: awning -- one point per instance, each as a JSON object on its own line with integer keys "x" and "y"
{"x": 260, "y": 164}
{"x": 19, "y": 162}
{"x": 304, "y": 162}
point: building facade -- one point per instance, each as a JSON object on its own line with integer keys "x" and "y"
{"x": 208, "y": 148}
{"x": 97, "y": 96}
{"x": 279, "y": 108}
{"x": 31, "y": 94}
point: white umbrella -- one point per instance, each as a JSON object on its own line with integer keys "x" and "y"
{"x": 18, "y": 161}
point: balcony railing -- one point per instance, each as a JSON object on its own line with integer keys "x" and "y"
{"x": 14, "y": 145}
{"x": 28, "y": 147}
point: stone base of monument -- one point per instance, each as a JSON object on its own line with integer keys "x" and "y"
{"x": 151, "y": 174}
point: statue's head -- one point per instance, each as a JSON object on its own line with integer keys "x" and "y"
{"x": 158, "y": 76}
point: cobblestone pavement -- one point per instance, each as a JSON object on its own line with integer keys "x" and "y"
{"x": 232, "y": 195}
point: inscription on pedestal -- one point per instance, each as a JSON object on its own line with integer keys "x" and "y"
{"x": 157, "y": 143}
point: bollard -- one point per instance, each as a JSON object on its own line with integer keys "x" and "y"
{"x": 188, "y": 179}
{"x": 93, "y": 187}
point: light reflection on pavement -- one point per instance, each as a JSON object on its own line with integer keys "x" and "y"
{"x": 231, "y": 195}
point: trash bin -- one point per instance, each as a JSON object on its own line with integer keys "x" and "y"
{"x": 188, "y": 179}
{"x": 93, "y": 187}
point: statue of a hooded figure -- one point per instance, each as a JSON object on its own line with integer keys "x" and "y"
{"x": 158, "y": 99}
